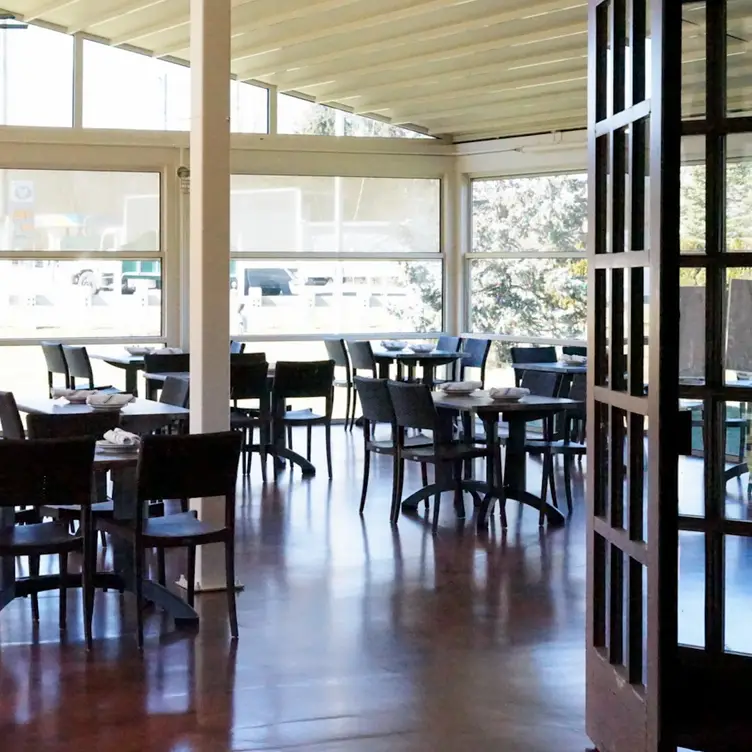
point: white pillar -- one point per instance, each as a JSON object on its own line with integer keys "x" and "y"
{"x": 456, "y": 241}
{"x": 210, "y": 247}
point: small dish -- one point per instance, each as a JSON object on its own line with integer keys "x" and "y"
{"x": 573, "y": 360}
{"x": 107, "y": 446}
{"x": 508, "y": 394}
{"x": 421, "y": 348}
{"x": 461, "y": 387}
{"x": 139, "y": 350}
{"x": 393, "y": 345}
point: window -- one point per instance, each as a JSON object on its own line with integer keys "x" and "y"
{"x": 299, "y": 116}
{"x": 36, "y": 77}
{"x": 124, "y": 89}
{"x": 527, "y": 269}
{"x": 80, "y": 254}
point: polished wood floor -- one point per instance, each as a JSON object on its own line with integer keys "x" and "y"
{"x": 354, "y": 637}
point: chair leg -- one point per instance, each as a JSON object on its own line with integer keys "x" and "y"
{"x": 191, "y": 575}
{"x": 262, "y": 451}
{"x": 230, "y": 567}
{"x": 138, "y": 559}
{"x": 88, "y": 568}
{"x": 568, "y": 459}
{"x": 398, "y": 470}
{"x": 459, "y": 506}
{"x": 63, "y": 566}
{"x": 552, "y": 479}
{"x": 348, "y": 425}
{"x": 424, "y": 473}
{"x": 354, "y": 408}
{"x": 366, "y": 472}
{"x": 328, "y": 429}
{"x": 161, "y": 568}
{"x": 244, "y": 453}
{"x": 436, "y": 505}
{"x": 34, "y": 572}
{"x": 309, "y": 441}
{"x": 289, "y": 440}
{"x": 103, "y": 539}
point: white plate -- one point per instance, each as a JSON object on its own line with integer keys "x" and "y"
{"x": 107, "y": 409}
{"x": 422, "y": 349}
{"x": 461, "y": 387}
{"x": 506, "y": 399}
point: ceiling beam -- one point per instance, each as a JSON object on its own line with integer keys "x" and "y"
{"x": 114, "y": 13}
{"x": 408, "y": 57}
{"x": 45, "y": 9}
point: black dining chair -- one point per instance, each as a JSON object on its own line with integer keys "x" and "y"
{"x": 164, "y": 363}
{"x": 445, "y": 343}
{"x": 477, "y": 351}
{"x": 376, "y": 403}
{"x": 306, "y": 380}
{"x": 203, "y": 465}
{"x": 336, "y": 351}
{"x": 249, "y": 380}
{"x": 414, "y": 408}
{"x": 54, "y": 357}
{"x": 574, "y": 350}
{"x": 79, "y": 367}
{"x": 175, "y": 391}
{"x": 361, "y": 360}
{"x": 530, "y": 355}
{"x": 38, "y": 473}
{"x": 236, "y": 348}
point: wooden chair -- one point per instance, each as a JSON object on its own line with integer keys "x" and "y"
{"x": 377, "y": 408}
{"x": 175, "y": 391}
{"x": 236, "y": 348}
{"x": 79, "y": 367}
{"x": 445, "y": 343}
{"x": 183, "y": 467}
{"x": 530, "y": 355}
{"x": 301, "y": 380}
{"x": 40, "y": 473}
{"x": 336, "y": 350}
{"x": 477, "y": 351}
{"x": 56, "y": 366}
{"x": 361, "y": 359}
{"x": 414, "y": 408}
{"x": 249, "y": 380}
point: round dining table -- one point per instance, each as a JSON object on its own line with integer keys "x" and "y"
{"x": 408, "y": 360}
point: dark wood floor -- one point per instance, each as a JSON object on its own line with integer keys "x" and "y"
{"x": 353, "y": 637}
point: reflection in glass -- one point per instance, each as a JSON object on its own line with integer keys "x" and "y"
{"x": 691, "y": 605}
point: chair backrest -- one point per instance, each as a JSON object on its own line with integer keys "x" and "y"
{"x": 413, "y": 405}
{"x": 167, "y": 362}
{"x": 55, "y": 360}
{"x": 374, "y": 399}
{"x": 10, "y": 419}
{"x": 337, "y": 352}
{"x": 578, "y": 387}
{"x": 175, "y": 391}
{"x": 448, "y": 344}
{"x": 46, "y": 471}
{"x": 79, "y": 365}
{"x": 533, "y": 354}
{"x": 361, "y": 356}
{"x": 236, "y": 348}
{"x": 244, "y": 357}
{"x": 574, "y": 350}
{"x": 304, "y": 379}
{"x": 71, "y": 425}
{"x": 188, "y": 467}
{"x": 477, "y": 350}
{"x": 540, "y": 383}
{"x": 250, "y": 380}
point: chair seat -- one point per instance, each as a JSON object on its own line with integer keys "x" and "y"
{"x": 41, "y": 537}
{"x": 557, "y": 447}
{"x": 445, "y": 452}
{"x": 101, "y": 508}
{"x": 179, "y": 526}
{"x": 238, "y": 420}
{"x": 386, "y": 446}
{"x": 302, "y": 416}
{"x": 27, "y": 516}
{"x": 342, "y": 382}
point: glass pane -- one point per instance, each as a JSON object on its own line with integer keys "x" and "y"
{"x": 739, "y": 20}
{"x": 529, "y": 297}
{"x": 739, "y": 192}
{"x": 249, "y": 108}
{"x": 545, "y": 213}
{"x": 738, "y": 593}
{"x": 692, "y": 196}
{"x": 69, "y": 210}
{"x": 736, "y": 438}
{"x": 692, "y": 467}
{"x": 693, "y": 61}
{"x": 79, "y": 298}
{"x": 738, "y": 318}
{"x": 335, "y": 297}
{"x": 691, "y": 588}
{"x": 36, "y": 78}
{"x": 330, "y": 214}
{"x": 692, "y": 325}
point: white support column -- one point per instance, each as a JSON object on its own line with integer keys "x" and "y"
{"x": 78, "y": 81}
{"x": 456, "y": 240}
{"x": 210, "y": 246}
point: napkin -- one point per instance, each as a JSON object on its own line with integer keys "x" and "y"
{"x": 509, "y": 392}
{"x": 72, "y": 395}
{"x": 103, "y": 399}
{"x": 122, "y": 438}
{"x": 462, "y": 386}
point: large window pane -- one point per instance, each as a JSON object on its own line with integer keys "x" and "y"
{"x": 124, "y": 89}
{"x": 80, "y": 298}
{"x": 36, "y": 77}
{"x": 298, "y": 116}
{"x": 335, "y": 297}
{"x": 328, "y": 214}
{"x": 70, "y": 210}
{"x": 545, "y": 213}
{"x": 529, "y": 297}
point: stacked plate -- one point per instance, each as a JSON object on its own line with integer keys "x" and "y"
{"x": 508, "y": 394}
{"x": 394, "y": 345}
{"x": 109, "y": 448}
{"x": 461, "y": 387}
{"x": 421, "y": 348}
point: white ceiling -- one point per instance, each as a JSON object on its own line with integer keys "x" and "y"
{"x": 465, "y": 68}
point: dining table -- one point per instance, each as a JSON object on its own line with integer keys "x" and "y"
{"x": 131, "y": 364}
{"x": 408, "y": 360}
{"x": 516, "y": 415}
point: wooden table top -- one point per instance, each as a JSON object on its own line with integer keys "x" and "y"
{"x": 410, "y": 355}
{"x": 122, "y": 359}
{"x": 137, "y": 408}
{"x": 551, "y": 367}
{"x": 483, "y": 402}
{"x": 114, "y": 461}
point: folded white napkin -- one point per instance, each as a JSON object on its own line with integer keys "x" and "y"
{"x": 102, "y": 399}
{"x": 508, "y": 392}
{"x": 122, "y": 438}
{"x": 462, "y": 386}
{"x": 72, "y": 395}
{"x": 168, "y": 351}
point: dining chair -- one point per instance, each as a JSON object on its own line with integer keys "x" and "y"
{"x": 79, "y": 367}
{"x": 361, "y": 359}
{"x": 183, "y": 467}
{"x": 336, "y": 351}
{"x": 445, "y": 343}
{"x": 236, "y": 348}
{"x": 376, "y": 404}
{"x": 56, "y": 366}
{"x": 530, "y": 355}
{"x": 39, "y": 473}
{"x": 175, "y": 391}
{"x": 574, "y": 350}
{"x": 477, "y": 351}
{"x": 414, "y": 408}
{"x": 249, "y": 380}
{"x": 167, "y": 363}
{"x": 306, "y": 380}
